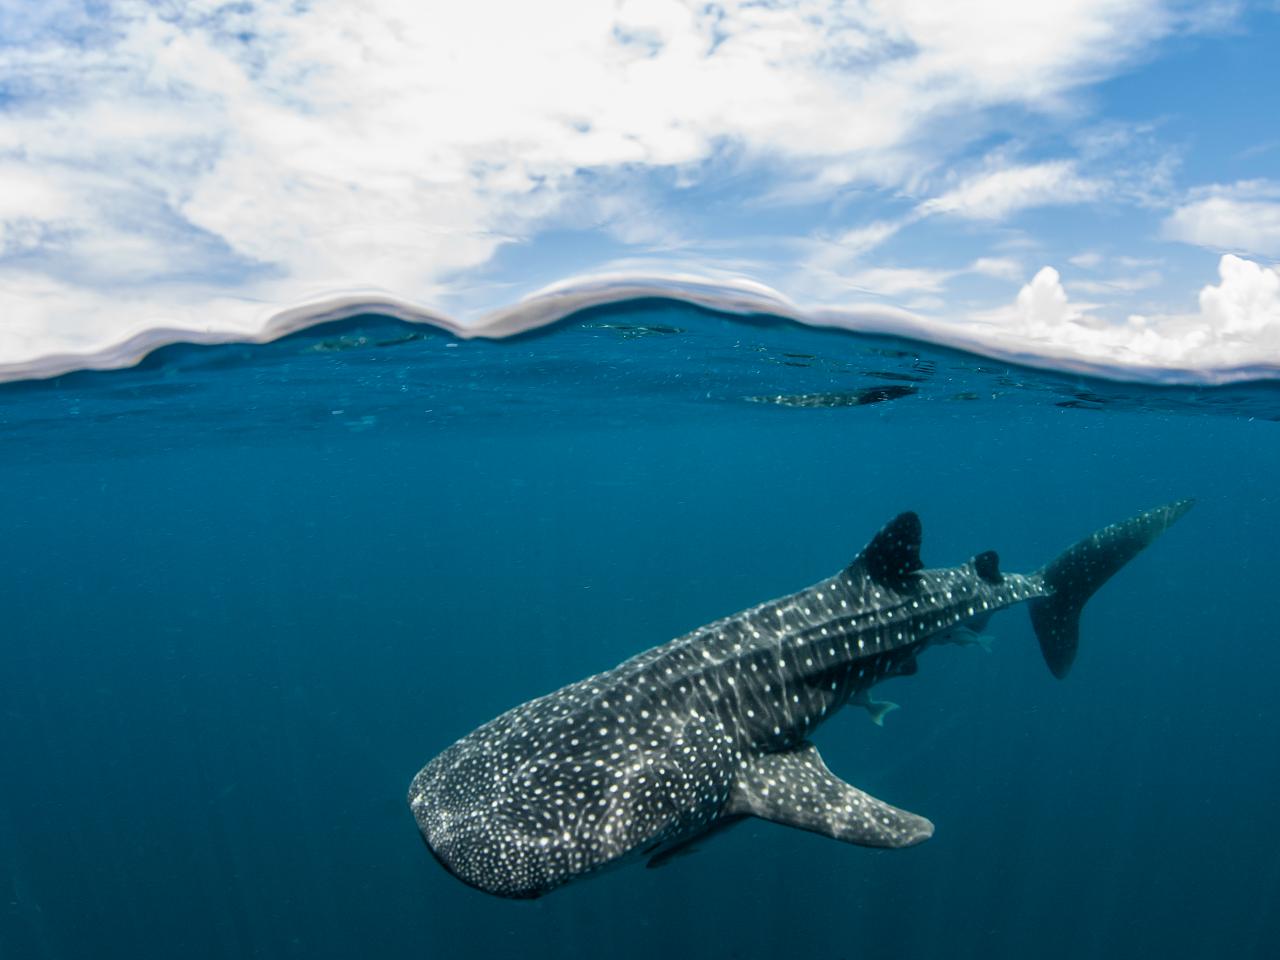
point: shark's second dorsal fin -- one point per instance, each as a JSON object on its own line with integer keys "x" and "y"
{"x": 987, "y": 566}
{"x": 893, "y": 554}
{"x": 797, "y": 790}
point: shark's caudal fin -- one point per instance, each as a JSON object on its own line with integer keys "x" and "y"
{"x": 1080, "y": 570}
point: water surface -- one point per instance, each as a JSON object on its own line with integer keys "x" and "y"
{"x": 250, "y": 590}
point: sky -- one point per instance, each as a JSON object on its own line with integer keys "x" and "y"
{"x": 1096, "y": 179}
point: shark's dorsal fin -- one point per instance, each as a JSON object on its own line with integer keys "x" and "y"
{"x": 987, "y": 565}
{"x": 893, "y": 554}
{"x": 797, "y": 790}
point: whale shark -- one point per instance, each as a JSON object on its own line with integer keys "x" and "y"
{"x": 695, "y": 735}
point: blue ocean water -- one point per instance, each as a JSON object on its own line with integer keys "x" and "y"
{"x": 250, "y": 591}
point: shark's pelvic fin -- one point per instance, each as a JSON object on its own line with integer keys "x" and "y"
{"x": 893, "y": 554}
{"x": 796, "y": 789}
{"x": 877, "y": 708}
{"x": 1080, "y": 570}
{"x": 964, "y": 636}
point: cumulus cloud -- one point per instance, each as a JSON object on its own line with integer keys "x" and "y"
{"x": 1042, "y": 308}
{"x": 1237, "y": 325}
{"x": 1246, "y": 304}
{"x": 1242, "y": 217}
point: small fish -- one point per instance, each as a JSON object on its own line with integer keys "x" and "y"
{"x": 877, "y": 708}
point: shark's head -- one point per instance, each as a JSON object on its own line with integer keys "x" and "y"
{"x": 479, "y": 836}
{"x": 510, "y": 811}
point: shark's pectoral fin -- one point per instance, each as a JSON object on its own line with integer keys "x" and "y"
{"x": 796, "y": 789}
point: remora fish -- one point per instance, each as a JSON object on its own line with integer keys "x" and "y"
{"x": 692, "y": 736}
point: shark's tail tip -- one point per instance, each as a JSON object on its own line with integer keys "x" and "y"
{"x": 1081, "y": 569}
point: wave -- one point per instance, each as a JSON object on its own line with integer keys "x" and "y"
{"x": 732, "y": 297}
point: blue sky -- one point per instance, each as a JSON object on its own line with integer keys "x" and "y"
{"x": 1095, "y": 179}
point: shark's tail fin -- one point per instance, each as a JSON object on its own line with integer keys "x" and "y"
{"x": 1080, "y": 570}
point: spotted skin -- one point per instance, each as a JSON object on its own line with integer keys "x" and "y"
{"x": 713, "y": 726}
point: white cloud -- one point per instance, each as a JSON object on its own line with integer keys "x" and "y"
{"x": 996, "y": 195}
{"x": 1127, "y": 283}
{"x": 1000, "y": 191}
{"x": 1026, "y": 52}
{"x": 855, "y": 242}
{"x": 156, "y": 158}
{"x": 1002, "y": 268}
{"x": 840, "y": 254}
{"x": 1243, "y": 217}
{"x": 893, "y": 281}
{"x": 827, "y": 276}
